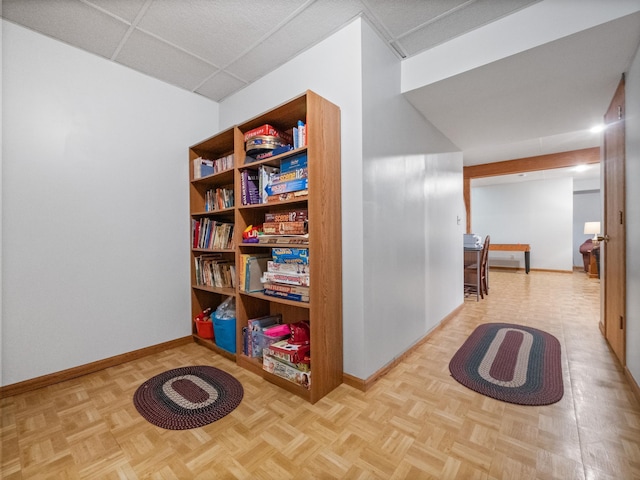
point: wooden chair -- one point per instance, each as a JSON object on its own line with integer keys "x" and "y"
{"x": 471, "y": 272}
{"x": 484, "y": 268}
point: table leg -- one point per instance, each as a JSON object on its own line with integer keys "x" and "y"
{"x": 527, "y": 260}
{"x": 478, "y": 257}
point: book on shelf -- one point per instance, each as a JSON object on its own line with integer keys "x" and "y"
{"x": 300, "y": 135}
{"x": 284, "y": 228}
{"x": 295, "y": 185}
{"x": 207, "y": 233}
{"x": 291, "y": 353}
{"x": 284, "y": 358}
{"x": 301, "y": 279}
{"x": 265, "y": 172}
{"x": 256, "y": 326}
{"x": 272, "y": 365}
{"x": 288, "y": 216}
{"x": 293, "y": 162}
{"x": 252, "y": 266}
{"x": 290, "y": 255}
{"x": 218, "y": 199}
{"x": 269, "y": 130}
{"x": 249, "y": 191}
{"x": 290, "y": 175}
{"x": 264, "y": 155}
{"x": 287, "y": 196}
{"x": 203, "y": 167}
{"x": 287, "y": 267}
{"x": 283, "y": 288}
{"x": 285, "y": 239}
{"x": 295, "y": 297}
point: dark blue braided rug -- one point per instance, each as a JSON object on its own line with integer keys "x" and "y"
{"x": 512, "y": 363}
{"x": 188, "y": 397}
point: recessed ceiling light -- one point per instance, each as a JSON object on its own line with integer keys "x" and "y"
{"x": 581, "y": 168}
{"x": 597, "y": 128}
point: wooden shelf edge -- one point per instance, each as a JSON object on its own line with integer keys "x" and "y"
{"x": 229, "y": 292}
{"x": 283, "y": 301}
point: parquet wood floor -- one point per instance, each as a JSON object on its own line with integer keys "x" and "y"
{"x": 414, "y": 423}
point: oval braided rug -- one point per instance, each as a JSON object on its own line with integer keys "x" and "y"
{"x": 188, "y": 397}
{"x": 513, "y": 363}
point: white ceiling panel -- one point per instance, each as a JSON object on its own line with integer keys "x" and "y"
{"x": 71, "y": 21}
{"x": 217, "y": 31}
{"x": 309, "y": 27}
{"x": 400, "y": 17}
{"x": 125, "y": 9}
{"x": 158, "y": 59}
{"x": 220, "y": 85}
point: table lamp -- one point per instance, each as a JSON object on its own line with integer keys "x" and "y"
{"x": 592, "y": 228}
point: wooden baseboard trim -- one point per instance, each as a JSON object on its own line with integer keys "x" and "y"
{"x": 633, "y": 384}
{"x": 365, "y": 384}
{"x": 57, "y": 377}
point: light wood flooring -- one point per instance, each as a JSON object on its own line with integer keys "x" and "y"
{"x": 416, "y": 422}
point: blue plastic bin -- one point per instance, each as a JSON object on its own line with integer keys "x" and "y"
{"x": 225, "y": 333}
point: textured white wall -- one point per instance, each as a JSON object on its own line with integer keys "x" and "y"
{"x": 633, "y": 216}
{"x": 95, "y": 245}
{"x": 539, "y": 213}
{"x": 333, "y": 70}
{"x": 412, "y": 198}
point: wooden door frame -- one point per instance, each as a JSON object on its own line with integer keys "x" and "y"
{"x": 571, "y": 158}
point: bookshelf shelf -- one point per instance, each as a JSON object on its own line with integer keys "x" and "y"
{"x": 322, "y": 202}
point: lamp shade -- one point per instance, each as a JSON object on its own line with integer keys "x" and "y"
{"x": 592, "y": 228}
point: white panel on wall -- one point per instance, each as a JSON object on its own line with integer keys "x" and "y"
{"x": 412, "y": 197}
{"x": 95, "y": 187}
{"x": 539, "y": 213}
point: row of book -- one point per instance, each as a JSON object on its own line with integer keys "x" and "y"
{"x": 203, "y": 167}
{"x": 218, "y": 199}
{"x": 207, "y": 233}
{"x": 268, "y": 183}
{"x": 213, "y": 271}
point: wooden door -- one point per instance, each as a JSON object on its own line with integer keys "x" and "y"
{"x": 614, "y": 248}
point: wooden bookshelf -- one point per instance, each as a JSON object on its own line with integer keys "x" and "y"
{"x": 324, "y": 310}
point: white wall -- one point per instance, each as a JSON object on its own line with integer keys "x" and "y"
{"x": 95, "y": 248}
{"x": 539, "y": 213}
{"x": 332, "y": 69}
{"x": 357, "y": 72}
{"x": 412, "y": 190}
{"x": 632, "y": 216}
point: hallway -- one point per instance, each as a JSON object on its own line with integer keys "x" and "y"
{"x": 415, "y": 422}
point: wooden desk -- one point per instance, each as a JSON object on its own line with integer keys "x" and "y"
{"x": 473, "y": 255}
{"x": 515, "y": 247}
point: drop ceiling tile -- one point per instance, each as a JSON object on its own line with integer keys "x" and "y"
{"x": 220, "y": 86}
{"x": 70, "y": 21}
{"x": 149, "y": 55}
{"x": 125, "y": 9}
{"x": 312, "y": 25}
{"x": 401, "y": 17}
{"x": 459, "y": 22}
{"x": 216, "y": 31}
